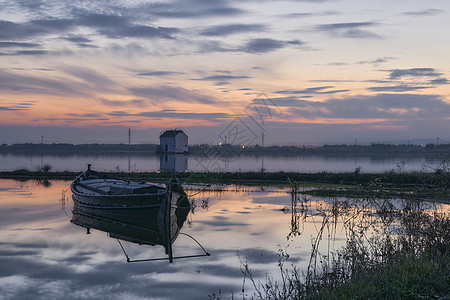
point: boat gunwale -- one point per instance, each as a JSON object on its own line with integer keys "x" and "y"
{"x": 76, "y": 182}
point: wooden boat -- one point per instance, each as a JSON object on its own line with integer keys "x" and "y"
{"x": 144, "y": 226}
{"x": 136, "y": 212}
{"x": 97, "y": 190}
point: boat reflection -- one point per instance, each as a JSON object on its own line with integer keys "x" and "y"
{"x": 154, "y": 225}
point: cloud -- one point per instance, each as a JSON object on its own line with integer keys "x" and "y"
{"x": 223, "y": 77}
{"x": 109, "y": 25}
{"x": 132, "y": 102}
{"x": 313, "y": 90}
{"x": 184, "y": 115}
{"x": 351, "y": 25}
{"x": 118, "y": 26}
{"x": 102, "y": 20}
{"x": 180, "y": 9}
{"x": 225, "y": 30}
{"x": 349, "y": 30}
{"x": 264, "y": 45}
{"x": 173, "y": 114}
{"x": 398, "y": 88}
{"x": 253, "y": 46}
{"x": 27, "y": 52}
{"x": 376, "y": 61}
{"x": 139, "y": 31}
{"x": 16, "y": 82}
{"x": 16, "y": 31}
{"x": 413, "y": 79}
{"x": 439, "y": 81}
{"x": 172, "y": 93}
{"x": 18, "y": 45}
{"x": 298, "y": 15}
{"x": 338, "y": 63}
{"x": 87, "y": 115}
{"x": 83, "y": 45}
{"x": 159, "y": 73}
{"x": 382, "y": 106}
{"x": 424, "y": 13}
{"x": 414, "y": 72}
{"x": 76, "y": 39}
{"x": 208, "y": 46}
{"x": 13, "y": 107}
{"x": 80, "y": 41}
{"x": 91, "y": 77}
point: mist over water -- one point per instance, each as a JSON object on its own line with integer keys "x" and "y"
{"x": 305, "y": 163}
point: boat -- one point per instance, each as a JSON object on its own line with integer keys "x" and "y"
{"x": 96, "y": 190}
{"x": 144, "y": 226}
{"x": 137, "y": 212}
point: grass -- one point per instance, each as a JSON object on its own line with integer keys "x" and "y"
{"x": 393, "y": 251}
{"x": 420, "y": 185}
{"x": 426, "y": 277}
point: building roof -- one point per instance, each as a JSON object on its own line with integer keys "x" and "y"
{"x": 171, "y": 133}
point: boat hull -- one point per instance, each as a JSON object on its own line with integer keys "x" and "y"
{"x": 118, "y": 202}
{"x": 99, "y": 191}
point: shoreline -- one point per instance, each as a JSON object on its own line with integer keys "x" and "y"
{"x": 355, "y": 177}
{"x": 404, "y": 185}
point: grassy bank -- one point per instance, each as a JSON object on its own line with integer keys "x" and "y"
{"x": 421, "y": 185}
{"x": 346, "y": 178}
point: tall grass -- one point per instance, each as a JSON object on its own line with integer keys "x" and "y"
{"x": 395, "y": 249}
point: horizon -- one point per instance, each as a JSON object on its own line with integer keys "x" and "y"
{"x": 301, "y": 73}
{"x": 414, "y": 142}
{"x": 54, "y": 135}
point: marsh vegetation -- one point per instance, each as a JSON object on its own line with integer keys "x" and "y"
{"x": 396, "y": 248}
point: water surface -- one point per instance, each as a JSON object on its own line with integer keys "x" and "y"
{"x": 44, "y": 256}
{"x": 301, "y": 163}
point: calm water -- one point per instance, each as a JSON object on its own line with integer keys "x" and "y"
{"x": 44, "y": 256}
{"x": 307, "y": 163}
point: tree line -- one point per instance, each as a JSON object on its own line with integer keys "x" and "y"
{"x": 227, "y": 149}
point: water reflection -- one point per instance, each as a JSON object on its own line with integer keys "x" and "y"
{"x": 245, "y": 162}
{"x": 173, "y": 162}
{"x": 44, "y": 256}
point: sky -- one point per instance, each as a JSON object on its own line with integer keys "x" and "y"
{"x": 297, "y": 72}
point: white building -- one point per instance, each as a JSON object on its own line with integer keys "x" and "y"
{"x": 173, "y": 141}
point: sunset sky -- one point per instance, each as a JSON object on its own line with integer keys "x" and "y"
{"x": 299, "y": 72}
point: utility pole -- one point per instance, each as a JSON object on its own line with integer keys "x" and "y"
{"x": 129, "y": 136}
{"x": 42, "y": 139}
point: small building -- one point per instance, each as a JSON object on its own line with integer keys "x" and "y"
{"x": 173, "y": 141}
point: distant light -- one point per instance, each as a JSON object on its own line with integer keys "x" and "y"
{"x": 220, "y": 144}
{"x": 243, "y": 147}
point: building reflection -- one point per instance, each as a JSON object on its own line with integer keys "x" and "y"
{"x": 171, "y": 162}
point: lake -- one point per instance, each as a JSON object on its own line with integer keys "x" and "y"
{"x": 305, "y": 163}
{"x": 45, "y": 256}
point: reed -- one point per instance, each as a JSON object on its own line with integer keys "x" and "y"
{"x": 391, "y": 252}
